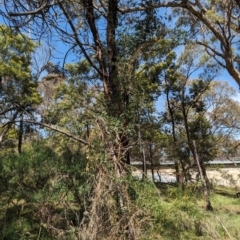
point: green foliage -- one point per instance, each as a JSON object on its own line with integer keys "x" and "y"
{"x": 18, "y": 86}
{"x": 15, "y": 54}
{"x": 15, "y": 68}
{"x": 200, "y": 130}
{"x": 57, "y": 188}
{"x": 35, "y": 187}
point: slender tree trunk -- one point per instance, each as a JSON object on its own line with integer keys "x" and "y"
{"x": 20, "y": 134}
{"x": 144, "y": 163}
{"x": 176, "y": 165}
{"x": 171, "y": 112}
{"x": 151, "y": 161}
{"x": 204, "y": 179}
{"x": 189, "y": 142}
{"x": 205, "y": 174}
{"x": 142, "y": 151}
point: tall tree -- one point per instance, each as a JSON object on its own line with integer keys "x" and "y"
{"x": 223, "y": 113}
{"x": 98, "y": 33}
{"x": 93, "y": 31}
{"x": 184, "y": 102}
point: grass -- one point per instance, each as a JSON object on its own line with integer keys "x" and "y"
{"x": 186, "y": 210}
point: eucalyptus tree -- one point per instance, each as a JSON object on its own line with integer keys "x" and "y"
{"x": 191, "y": 140}
{"x": 123, "y": 51}
{"x": 99, "y": 33}
{"x": 186, "y": 121}
{"x": 94, "y": 29}
{"x": 184, "y": 84}
{"x": 223, "y": 114}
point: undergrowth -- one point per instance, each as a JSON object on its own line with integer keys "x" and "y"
{"x": 45, "y": 195}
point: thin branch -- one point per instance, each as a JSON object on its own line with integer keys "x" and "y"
{"x": 52, "y": 128}
{"x": 213, "y": 50}
{"x": 77, "y": 39}
{"x": 215, "y": 58}
{"x": 98, "y": 9}
{"x": 35, "y": 12}
{"x": 7, "y": 110}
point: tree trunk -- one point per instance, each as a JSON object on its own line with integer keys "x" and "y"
{"x": 172, "y": 119}
{"x": 151, "y": 161}
{"x": 142, "y": 151}
{"x": 20, "y": 134}
{"x": 204, "y": 179}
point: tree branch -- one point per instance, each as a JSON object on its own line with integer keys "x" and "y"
{"x": 213, "y": 50}
{"x": 77, "y": 39}
{"x": 7, "y": 110}
{"x": 35, "y": 12}
{"x": 52, "y": 128}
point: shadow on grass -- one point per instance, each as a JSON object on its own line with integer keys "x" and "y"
{"x": 225, "y": 193}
